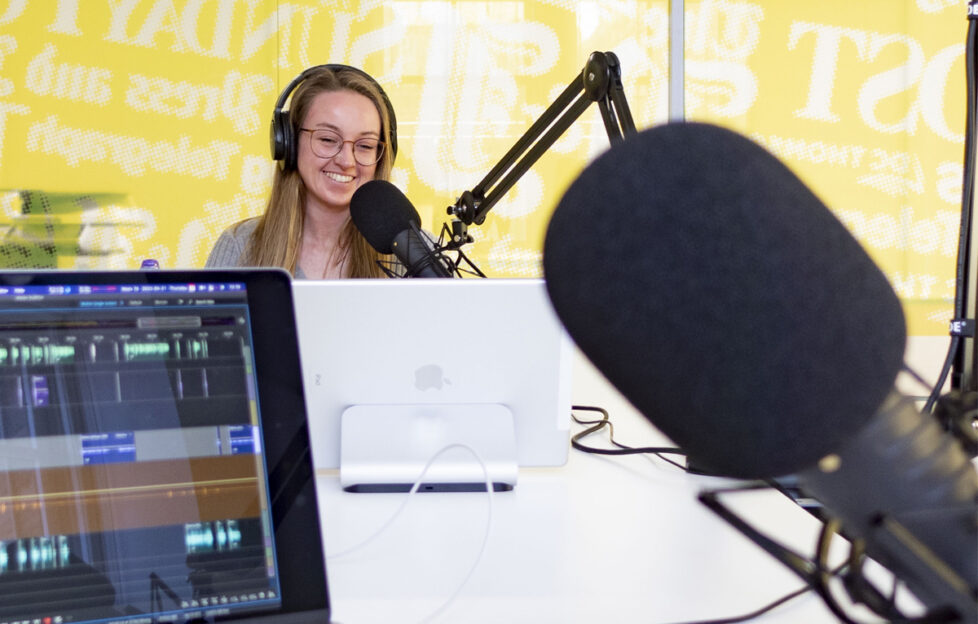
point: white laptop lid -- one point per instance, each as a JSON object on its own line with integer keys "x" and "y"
{"x": 428, "y": 341}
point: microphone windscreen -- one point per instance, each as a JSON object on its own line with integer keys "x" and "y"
{"x": 380, "y": 211}
{"x": 723, "y": 299}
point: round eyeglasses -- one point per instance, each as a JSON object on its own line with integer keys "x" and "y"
{"x": 326, "y": 144}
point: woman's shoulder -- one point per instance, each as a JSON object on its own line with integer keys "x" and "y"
{"x": 229, "y": 249}
{"x": 242, "y": 229}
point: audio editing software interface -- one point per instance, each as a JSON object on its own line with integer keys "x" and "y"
{"x": 132, "y": 480}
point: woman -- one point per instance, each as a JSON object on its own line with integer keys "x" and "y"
{"x": 341, "y": 136}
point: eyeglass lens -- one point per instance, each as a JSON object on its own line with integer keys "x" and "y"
{"x": 326, "y": 144}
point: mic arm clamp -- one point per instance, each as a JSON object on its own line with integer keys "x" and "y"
{"x": 599, "y": 81}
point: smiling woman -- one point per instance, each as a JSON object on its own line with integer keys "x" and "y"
{"x": 338, "y": 133}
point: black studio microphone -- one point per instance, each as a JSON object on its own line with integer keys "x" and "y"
{"x": 745, "y": 322}
{"x": 389, "y": 222}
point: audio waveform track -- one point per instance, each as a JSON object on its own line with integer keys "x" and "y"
{"x": 111, "y": 497}
{"x": 63, "y": 377}
{"x": 184, "y": 564}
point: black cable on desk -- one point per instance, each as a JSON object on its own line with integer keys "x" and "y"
{"x": 594, "y": 426}
{"x": 820, "y": 574}
{"x": 605, "y": 422}
{"x": 758, "y": 613}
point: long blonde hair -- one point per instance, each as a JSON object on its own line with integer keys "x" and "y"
{"x": 276, "y": 239}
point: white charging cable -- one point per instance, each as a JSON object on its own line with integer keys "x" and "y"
{"x": 414, "y": 488}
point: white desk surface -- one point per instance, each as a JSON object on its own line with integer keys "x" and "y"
{"x": 601, "y": 539}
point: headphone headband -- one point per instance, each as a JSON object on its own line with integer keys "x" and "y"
{"x": 283, "y": 136}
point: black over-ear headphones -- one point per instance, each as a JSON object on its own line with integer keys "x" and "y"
{"x": 284, "y": 141}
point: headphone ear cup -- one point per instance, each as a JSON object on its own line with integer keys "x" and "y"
{"x": 283, "y": 140}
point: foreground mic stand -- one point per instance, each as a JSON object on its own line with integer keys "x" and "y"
{"x": 599, "y": 81}
{"x": 963, "y": 326}
{"x": 957, "y": 408}
{"x": 898, "y": 539}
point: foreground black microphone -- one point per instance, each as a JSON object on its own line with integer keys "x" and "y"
{"x": 391, "y": 225}
{"x": 744, "y": 321}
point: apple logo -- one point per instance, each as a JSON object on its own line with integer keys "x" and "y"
{"x": 430, "y": 377}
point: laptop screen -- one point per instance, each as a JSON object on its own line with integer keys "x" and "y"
{"x": 140, "y": 480}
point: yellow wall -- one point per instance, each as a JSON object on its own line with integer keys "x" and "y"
{"x": 139, "y": 128}
{"x": 866, "y": 101}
